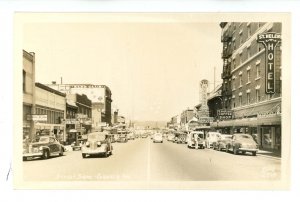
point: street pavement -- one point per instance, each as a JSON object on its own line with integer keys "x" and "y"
{"x": 143, "y": 160}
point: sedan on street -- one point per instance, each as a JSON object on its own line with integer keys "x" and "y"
{"x": 242, "y": 143}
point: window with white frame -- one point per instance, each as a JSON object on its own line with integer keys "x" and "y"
{"x": 258, "y": 70}
{"x": 241, "y": 57}
{"x": 257, "y": 95}
{"x": 241, "y": 81}
{"x": 248, "y": 98}
{"x": 233, "y": 84}
{"x": 248, "y": 76}
{"x": 233, "y": 63}
{"x": 249, "y": 30}
{"x": 240, "y": 100}
{"x": 241, "y": 38}
{"x": 248, "y": 52}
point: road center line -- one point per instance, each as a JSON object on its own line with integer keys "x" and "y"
{"x": 148, "y": 160}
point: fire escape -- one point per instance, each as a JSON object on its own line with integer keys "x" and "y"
{"x": 226, "y": 74}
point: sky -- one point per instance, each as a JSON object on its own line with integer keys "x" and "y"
{"x": 153, "y": 68}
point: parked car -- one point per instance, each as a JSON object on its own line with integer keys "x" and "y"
{"x": 98, "y": 143}
{"x": 122, "y": 136}
{"x": 130, "y": 136}
{"x": 170, "y": 137}
{"x": 223, "y": 140}
{"x": 242, "y": 143}
{"x": 144, "y": 135}
{"x": 211, "y": 138}
{"x": 157, "y": 138}
{"x": 45, "y": 147}
{"x": 180, "y": 137}
{"x": 194, "y": 136}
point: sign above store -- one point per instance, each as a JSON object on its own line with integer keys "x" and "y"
{"x": 270, "y": 40}
{"x": 36, "y": 117}
{"x": 224, "y": 114}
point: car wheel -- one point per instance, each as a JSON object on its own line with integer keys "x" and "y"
{"x": 254, "y": 153}
{"x": 83, "y": 155}
{"x": 105, "y": 154}
{"x": 227, "y": 149}
{"x": 61, "y": 153}
{"x": 235, "y": 151}
{"x": 25, "y": 159}
{"x": 46, "y": 154}
{"x": 243, "y": 152}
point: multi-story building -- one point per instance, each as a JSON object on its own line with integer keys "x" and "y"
{"x": 28, "y": 93}
{"x": 100, "y": 95}
{"x": 50, "y": 111}
{"x": 83, "y": 113}
{"x": 186, "y": 116}
{"x": 256, "y": 110}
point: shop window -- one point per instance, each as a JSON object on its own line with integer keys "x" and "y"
{"x": 278, "y": 137}
{"x": 267, "y": 137}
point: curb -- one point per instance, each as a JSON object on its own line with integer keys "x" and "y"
{"x": 267, "y": 156}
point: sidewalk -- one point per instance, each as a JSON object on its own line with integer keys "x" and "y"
{"x": 269, "y": 153}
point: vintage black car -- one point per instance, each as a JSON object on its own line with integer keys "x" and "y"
{"x": 45, "y": 147}
{"x": 98, "y": 143}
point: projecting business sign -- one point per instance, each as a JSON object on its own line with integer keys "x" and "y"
{"x": 37, "y": 117}
{"x": 224, "y": 114}
{"x": 270, "y": 40}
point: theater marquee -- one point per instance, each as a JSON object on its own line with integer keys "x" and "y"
{"x": 270, "y": 40}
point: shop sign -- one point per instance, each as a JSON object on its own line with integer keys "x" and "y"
{"x": 270, "y": 40}
{"x": 72, "y": 121}
{"x": 81, "y": 116}
{"x": 224, "y": 114}
{"x": 206, "y": 119}
{"x": 36, "y": 117}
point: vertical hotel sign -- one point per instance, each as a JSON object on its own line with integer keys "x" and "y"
{"x": 270, "y": 40}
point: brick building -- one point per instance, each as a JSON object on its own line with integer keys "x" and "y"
{"x": 255, "y": 111}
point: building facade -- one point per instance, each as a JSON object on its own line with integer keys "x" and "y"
{"x": 83, "y": 115}
{"x": 28, "y": 93}
{"x": 100, "y": 95}
{"x": 245, "y": 82}
{"x": 50, "y": 109}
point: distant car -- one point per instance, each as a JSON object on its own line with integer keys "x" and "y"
{"x": 194, "y": 136}
{"x": 98, "y": 143}
{"x": 144, "y": 135}
{"x": 157, "y": 138}
{"x": 223, "y": 140}
{"x": 211, "y": 138}
{"x": 45, "y": 147}
{"x": 242, "y": 143}
{"x": 170, "y": 137}
{"x": 130, "y": 136}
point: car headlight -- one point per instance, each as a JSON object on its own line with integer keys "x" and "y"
{"x": 98, "y": 144}
{"x": 87, "y": 144}
{"x": 40, "y": 148}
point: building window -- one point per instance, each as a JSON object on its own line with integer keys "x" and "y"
{"x": 233, "y": 85}
{"x": 248, "y": 98}
{"x": 249, "y": 30}
{"x": 248, "y": 76}
{"x": 258, "y": 70}
{"x": 248, "y": 52}
{"x": 233, "y": 44}
{"x": 240, "y": 100}
{"x": 241, "y": 81}
{"x": 233, "y": 102}
{"x": 233, "y": 63}
{"x": 241, "y": 57}
{"x": 24, "y": 80}
{"x": 258, "y": 47}
{"x": 257, "y": 95}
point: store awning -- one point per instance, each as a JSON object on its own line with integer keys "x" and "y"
{"x": 267, "y": 120}
{"x": 71, "y": 103}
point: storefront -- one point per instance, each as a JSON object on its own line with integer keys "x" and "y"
{"x": 56, "y": 130}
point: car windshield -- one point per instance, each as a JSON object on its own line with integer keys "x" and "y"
{"x": 44, "y": 140}
{"x": 96, "y": 137}
{"x": 200, "y": 135}
{"x": 243, "y": 136}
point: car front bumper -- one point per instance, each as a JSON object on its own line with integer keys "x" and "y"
{"x": 93, "y": 151}
{"x": 247, "y": 149}
{"x": 36, "y": 154}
